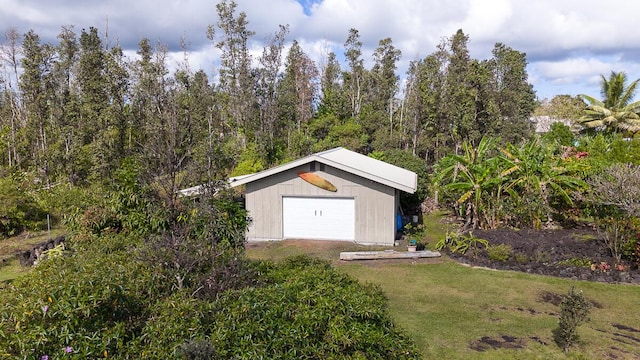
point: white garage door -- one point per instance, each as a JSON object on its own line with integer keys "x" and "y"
{"x": 318, "y": 218}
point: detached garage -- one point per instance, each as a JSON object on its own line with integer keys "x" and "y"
{"x": 332, "y": 195}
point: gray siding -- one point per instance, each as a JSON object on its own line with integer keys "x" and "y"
{"x": 375, "y": 203}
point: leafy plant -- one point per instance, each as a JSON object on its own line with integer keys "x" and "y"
{"x": 197, "y": 350}
{"x": 19, "y": 210}
{"x": 499, "y": 252}
{"x": 574, "y": 310}
{"x": 579, "y": 262}
{"x": 539, "y": 182}
{"x": 520, "y": 258}
{"x": 461, "y": 243}
{"x": 473, "y": 180}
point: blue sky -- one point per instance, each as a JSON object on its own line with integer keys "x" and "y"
{"x": 568, "y": 43}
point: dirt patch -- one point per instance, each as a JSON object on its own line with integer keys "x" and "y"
{"x": 504, "y": 342}
{"x": 328, "y": 250}
{"x": 625, "y": 328}
{"x": 551, "y": 298}
{"x": 574, "y": 254}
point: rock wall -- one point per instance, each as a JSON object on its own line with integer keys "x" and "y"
{"x": 30, "y": 256}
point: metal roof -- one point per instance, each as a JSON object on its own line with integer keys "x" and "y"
{"x": 349, "y": 161}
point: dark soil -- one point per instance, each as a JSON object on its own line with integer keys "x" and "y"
{"x": 574, "y": 254}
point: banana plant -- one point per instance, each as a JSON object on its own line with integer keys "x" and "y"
{"x": 475, "y": 176}
{"x": 536, "y": 176}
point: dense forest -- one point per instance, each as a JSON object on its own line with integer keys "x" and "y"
{"x": 70, "y": 112}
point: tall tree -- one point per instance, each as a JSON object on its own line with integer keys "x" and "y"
{"x": 331, "y": 99}
{"x": 354, "y": 78}
{"x": 616, "y": 112}
{"x": 91, "y": 78}
{"x": 383, "y": 78}
{"x": 267, "y": 97}
{"x": 561, "y": 107}
{"x": 458, "y": 94}
{"x": 10, "y": 53}
{"x": 147, "y": 77}
{"x": 66, "y": 112}
{"x": 236, "y": 78}
{"x": 422, "y": 110}
{"x": 298, "y": 92}
{"x": 514, "y": 97}
{"x": 35, "y": 88}
{"x": 111, "y": 146}
{"x": 382, "y": 87}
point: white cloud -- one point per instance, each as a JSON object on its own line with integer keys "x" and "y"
{"x": 568, "y": 43}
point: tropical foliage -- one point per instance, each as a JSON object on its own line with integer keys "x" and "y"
{"x": 616, "y": 111}
{"x": 525, "y": 185}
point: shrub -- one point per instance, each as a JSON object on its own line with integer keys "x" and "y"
{"x": 305, "y": 309}
{"x": 92, "y": 304}
{"x": 499, "y": 252}
{"x": 559, "y": 134}
{"x": 521, "y": 258}
{"x": 19, "y": 210}
{"x": 461, "y": 243}
{"x": 574, "y": 310}
{"x": 113, "y": 304}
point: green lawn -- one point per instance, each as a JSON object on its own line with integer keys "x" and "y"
{"x": 447, "y": 307}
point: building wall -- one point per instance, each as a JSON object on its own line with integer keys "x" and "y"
{"x": 375, "y": 204}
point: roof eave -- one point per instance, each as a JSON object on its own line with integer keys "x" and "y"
{"x": 372, "y": 177}
{"x": 234, "y": 182}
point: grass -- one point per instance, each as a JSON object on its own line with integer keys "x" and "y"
{"x": 9, "y": 247}
{"x": 448, "y": 308}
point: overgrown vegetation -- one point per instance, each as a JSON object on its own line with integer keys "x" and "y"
{"x": 19, "y": 210}
{"x": 101, "y": 144}
{"x": 143, "y": 277}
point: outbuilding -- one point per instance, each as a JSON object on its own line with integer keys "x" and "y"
{"x": 336, "y": 194}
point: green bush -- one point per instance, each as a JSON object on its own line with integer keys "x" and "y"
{"x": 579, "y": 262}
{"x": 305, "y": 310}
{"x": 559, "y": 134}
{"x": 19, "y": 210}
{"x": 116, "y": 305}
{"x": 461, "y": 243}
{"x": 91, "y": 304}
{"x": 499, "y": 252}
{"x": 521, "y": 258}
{"x": 574, "y": 310}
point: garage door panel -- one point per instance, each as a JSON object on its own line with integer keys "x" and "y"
{"x": 318, "y": 218}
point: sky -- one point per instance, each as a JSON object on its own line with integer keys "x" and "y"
{"x": 569, "y": 44}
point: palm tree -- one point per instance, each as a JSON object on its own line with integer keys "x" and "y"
{"x": 615, "y": 112}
